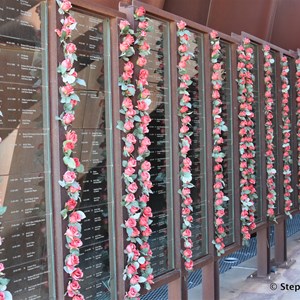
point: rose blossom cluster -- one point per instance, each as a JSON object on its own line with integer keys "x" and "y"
{"x": 286, "y": 133}
{"x": 246, "y": 132}
{"x": 69, "y": 180}
{"x": 136, "y": 174}
{"x": 218, "y": 154}
{"x": 185, "y": 143}
{"x": 269, "y": 113}
{"x": 298, "y": 118}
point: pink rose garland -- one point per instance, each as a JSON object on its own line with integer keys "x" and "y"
{"x": 269, "y": 113}
{"x": 185, "y": 143}
{"x": 246, "y": 132}
{"x": 136, "y": 174}
{"x": 69, "y": 181}
{"x": 286, "y": 129}
{"x": 298, "y": 118}
{"x": 218, "y": 155}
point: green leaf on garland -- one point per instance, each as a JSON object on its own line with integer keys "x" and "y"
{"x": 120, "y": 125}
{"x": 80, "y": 169}
{"x": 81, "y": 82}
{"x": 64, "y": 213}
{"x": 2, "y": 210}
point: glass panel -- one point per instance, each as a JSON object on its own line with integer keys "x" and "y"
{"x": 25, "y": 164}
{"x": 258, "y": 129}
{"x": 93, "y": 129}
{"x": 226, "y": 96}
{"x": 161, "y": 241}
{"x": 195, "y": 69}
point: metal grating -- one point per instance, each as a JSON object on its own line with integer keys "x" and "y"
{"x": 226, "y": 263}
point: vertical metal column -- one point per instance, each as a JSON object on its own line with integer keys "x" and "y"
{"x": 211, "y": 281}
{"x": 263, "y": 252}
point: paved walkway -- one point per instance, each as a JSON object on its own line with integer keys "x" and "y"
{"x": 235, "y": 284}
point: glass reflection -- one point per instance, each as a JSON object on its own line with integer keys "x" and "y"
{"x": 93, "y": 133}
{"x": 160, "y": 152}
{"x": 195, "y": 70}
{"x": 226, "y": 96}
{"x": 25, "y": 167}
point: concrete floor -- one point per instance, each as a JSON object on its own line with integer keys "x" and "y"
{"x": 235, "y": 284}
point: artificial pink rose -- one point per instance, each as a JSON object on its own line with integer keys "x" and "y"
{"x": 128, "y": 125}
{"x": 72, "y": 232}
{"x": 143, "y": 221}
{"x": 73, "y": 286}
{"x": 130, "y": 223}
{"x": 147, "y": 231}
{"x": 185, "y": 191}
{"x": 182, "y": 64}
{"x": 214, "y": 34}
{"x": 145, "y": 142}
{"x": 67, "y": 64}
{"x": 71, "y": 261}
{"x": 134, "y": 210}
{"x": 71, "y": 48}
{"x": 187, "y": 233}
{"x": 1, "y": 267}
{"x": 71, "y": 136}
{"x": 146, "y": 166}
{"x": 143, "y": 149}
{"x": 129, "y": 171}
{"x": 132, "y": 188}
{"x": 143, "y": 74}
{"x": 128, "y": 67}
{"x": 129, "y": 149}
{"x": 140, "y": 11}
{"x": 143, "y": 25}
{"x": 142, "y": 105}
{"x": 75, "y": 217}
{"x": 77, "y": 274}
{"x": 131, "y": 138}
{"x": 129, "y": 39}
{"x": 68, "y": 146}
{"x": 66, "y": 5}
{"x": 147, "y": 212}
{"x": 188, "y": 201}
{"x": 131, "y": 162}
{"x": 74, "y": 189}
{"x": 123, "y": 24}
{"x": 219, "y": 221}
{"x": 77, "y": 161}
{"x": 130, "y": 248}
{"x": 184, "y": 129}
{"x": 144, "y": 46}
{"x": 144, "y": 198}
{"x": 134, "y": 279}
{"x": 126, "y": 76}
{"x": 132, "y": 293}
{"x": 127, "y": 102}
{"x": 182, "y": 48}
{"x": 181, "y": 25}
{"x": 185, "y": 150}
{"x": 145, "y": 176}
{"x": 68, "y": 118}
{"x": 141, "y": 61}
{"x": 124, "y": 46}
{"x": 78, "y": 297}
{"x": 71, "y": 204}
{"x": 145, "y": 93}
{"x": 188, "y": 253}
{"x": 67, "y": 89}
{"x": 150, "y": 278}
{"x": 69, "y": 176}
{"x": 129, "y": 198}
{"x": 148, "y": 184}
{"x": 185, "y": 211}
{"x": 220, "y": 230}
{"x": 131, "y": 269}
